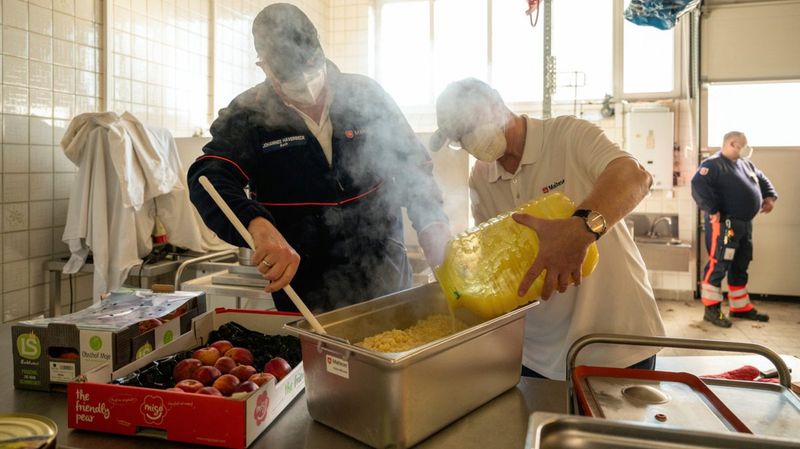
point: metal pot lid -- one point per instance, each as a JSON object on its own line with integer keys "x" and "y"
{"x": 664, "y": 399}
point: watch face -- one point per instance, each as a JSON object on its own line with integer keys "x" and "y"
{"x": 596, "y": 222}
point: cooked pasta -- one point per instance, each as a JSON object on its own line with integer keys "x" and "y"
{"x": 424, "y": 331}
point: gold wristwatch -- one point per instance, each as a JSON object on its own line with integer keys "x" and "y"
{"x": 595, "y": 221}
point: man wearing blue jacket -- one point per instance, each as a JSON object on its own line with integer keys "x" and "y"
{"x": 731, "y": 191}
{"x": 330, "y": 161}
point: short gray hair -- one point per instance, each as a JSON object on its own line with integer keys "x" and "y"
{"x": 731, "y": 135}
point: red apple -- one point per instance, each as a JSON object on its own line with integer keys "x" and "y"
{"x": 209, "y": 391}
{"x": 185, "y": 369}
{"x": 222, "y": 346}
{"x": 189, "y": 385}
{"x": 206, "y": 374}
{"x": 278, "y": 367}
{"x": 243, "y": 372}
{"x": 246, "y": 387}
{"x": 226, "y": 384}
{"x": 208, "y": 356}
{"x": 175, "y": 389}
{"x": 225, "y": 364}
{"x": 261, "y": 378}
{"x": 242, "y": 356}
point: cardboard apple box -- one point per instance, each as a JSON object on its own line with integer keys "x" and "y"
{"x": 232, "y": 422}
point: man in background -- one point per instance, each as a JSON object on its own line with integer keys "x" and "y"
{"x": 330, "y": 161}
{"x": 731, "y": 191}
{"x": 521, "y": 158}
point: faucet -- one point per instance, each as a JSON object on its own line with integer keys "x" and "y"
{"x": 652, "y": 232}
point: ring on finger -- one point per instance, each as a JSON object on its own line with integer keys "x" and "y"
{"x": 266, "y": 264}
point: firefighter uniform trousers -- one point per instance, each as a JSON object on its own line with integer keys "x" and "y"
{"x": 730, "y": 249}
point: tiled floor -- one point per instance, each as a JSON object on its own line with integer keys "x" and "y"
{"x": 781, "y": 333}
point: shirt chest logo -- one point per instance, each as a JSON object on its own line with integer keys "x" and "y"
{"x": 284, "y": 142}
{"x": 353, "y": 133}
{"x": 553, "y": 186}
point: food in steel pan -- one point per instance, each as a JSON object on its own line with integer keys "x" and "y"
{"x": 27, "y": 431}
{"x": 424, "y": 331}
{"x": 206, "y": 370}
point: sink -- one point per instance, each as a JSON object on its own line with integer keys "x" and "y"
{"x": 658, "y": 240}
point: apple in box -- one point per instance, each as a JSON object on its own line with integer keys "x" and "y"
{"x": 222, "y": 346}
{"x": 261, "y": 378}
{"x": 225, "y": 365}
{"x": 242, "y": 356}
{"x": 208, "y": 356}
{"x": 206, "y": 375}
{"x": 185, "y": 369}
{"x": 226, "y": 384}
{"x": 278, "y": 367}
{"x": 189, "y": 385}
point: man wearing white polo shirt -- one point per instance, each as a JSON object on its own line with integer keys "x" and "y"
{"x": 521, "y": 158}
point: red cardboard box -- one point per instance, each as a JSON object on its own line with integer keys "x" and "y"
{"x": 94, "y": 404}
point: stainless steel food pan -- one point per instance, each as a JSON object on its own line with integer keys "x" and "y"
{"x": 395, "y": 400}
{"x": 551, "y": 430}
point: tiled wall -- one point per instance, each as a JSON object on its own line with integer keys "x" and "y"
{"x": 161, "y": 62}
{"x": 51, "y": 70}
{"x": 351, "y": 34}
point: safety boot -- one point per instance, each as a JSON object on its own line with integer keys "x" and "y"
{"x": 713, "y": 314}
{"x": 751, "y": 314}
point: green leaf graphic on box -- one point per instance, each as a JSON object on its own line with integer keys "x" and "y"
{"x": 144, "y": 350}
{"x": 95, "y": 343}
{"x": 29, "y": 346}
{"x": 168, "y": 336}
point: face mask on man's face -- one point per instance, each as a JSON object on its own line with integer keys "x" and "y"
{"x": 746, "y": 152}
{"x": 486, "y": 142}
{"x": 306, "y": 89}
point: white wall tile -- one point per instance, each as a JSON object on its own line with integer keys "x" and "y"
{"x": 59, "y": 128}
{"x": 62, "y": 184}
{"x": 85, "y": 9}
{"x": 61, "y": 163}
{"x": 86, "y": 83}
{"x": 15, "y": 217}
{"x": 85, "y": 33}
{"x": 86, "y": 58}
{"x": 41, "y": 106}
{"x": 41, "y": 20}
{"x": 59, "y": 247}
{"x": 48, "y": 4}
{"x": 15, "y": 13}
{"x": 41, "y": 75}
{"x": 85, "y": 104}
{"x": 63, "y": 105}
{"x": 41, "y": 186}
{"x": 41, "y": 242}
{"x": 15, "y": 187}
{"x": 15, "y": 71}
{"x": 15, "y": 129}
{"x": 15, "y": 159}
{"x": 15, "y": 42}
{"x": 64, "y": 79}
{"x": 15, "y": 246}
{"x": 63, "y": 26}
{"x": 15, "y": 100}
{"x": 38, "y": 275}
{"x": 65, "y": 6}
{"x": 15, "y": 305}
{"x": 40, "y": 48}
{"x": 63, "y": 53}
{"x": 38, "y": 299}
{"x": 40, "y": 214}
{"x": 41, "y": 131}
{"x": 60, "y": 208}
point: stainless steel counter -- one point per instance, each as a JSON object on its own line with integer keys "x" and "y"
{"x": 501, "y": 423}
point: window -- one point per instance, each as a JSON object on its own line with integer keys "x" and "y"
{"x": 404, "y": 51}
{"x": 446, "y": 40}
{"x": 583, "y": 45}
{"x": 763, "y": 111}
{"x": 648, "y": 59}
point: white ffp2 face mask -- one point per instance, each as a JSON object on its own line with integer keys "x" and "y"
{"x": 306, "y": 89}
{"x": 746, "y": 152}
{"x": 486, "y": 142}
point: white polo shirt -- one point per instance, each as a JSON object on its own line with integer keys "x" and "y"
{"x": 567, "y": 154}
